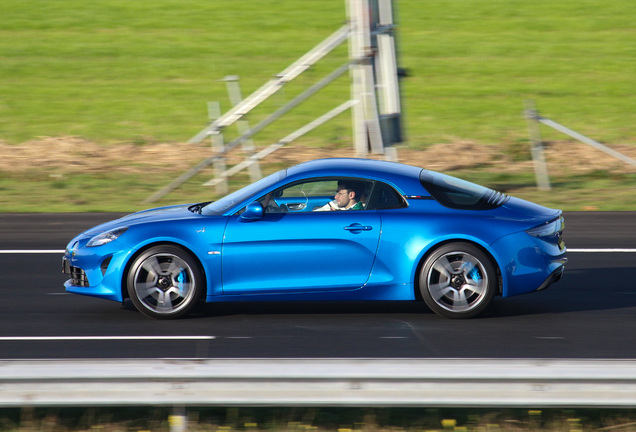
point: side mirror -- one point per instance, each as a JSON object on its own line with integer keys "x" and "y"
{"x": 253, "y": 211}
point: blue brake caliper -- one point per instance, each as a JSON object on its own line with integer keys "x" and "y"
{"x": 181, "y": 278}
{"x": 475, "y": 275}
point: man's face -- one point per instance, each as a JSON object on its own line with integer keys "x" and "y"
{"x": 343, "y": 197}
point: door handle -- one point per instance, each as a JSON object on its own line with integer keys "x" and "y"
{"x": 358, "y": 227}
{"x": 296, "y": 207}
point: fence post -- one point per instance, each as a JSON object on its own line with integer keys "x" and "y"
{"x": 540, "y": 166}
{"x": 214, "y": 111}
{"x": 236, "y": 97}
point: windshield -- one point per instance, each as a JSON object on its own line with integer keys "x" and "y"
{"x": 227, "y": 202}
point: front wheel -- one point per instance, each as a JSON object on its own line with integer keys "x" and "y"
{"x": 165, "y": 282}
{"x": 458, "y": 280}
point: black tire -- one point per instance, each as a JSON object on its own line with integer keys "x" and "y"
{"x": 165, "y": 282}
{"x": 458, "y": 280}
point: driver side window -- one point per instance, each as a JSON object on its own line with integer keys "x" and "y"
{"x": 299, "y": 197}
{"x": 310, "y": 189}
{"x": 327, "y": 194}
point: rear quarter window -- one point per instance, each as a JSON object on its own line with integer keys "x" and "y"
{"x": 460, "y": 194}
{"x": 384, "y": 197}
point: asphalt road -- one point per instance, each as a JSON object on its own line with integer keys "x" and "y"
{"x": 591, "y": 313}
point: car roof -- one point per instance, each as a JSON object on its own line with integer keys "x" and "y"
{"x": 355, "y": 167}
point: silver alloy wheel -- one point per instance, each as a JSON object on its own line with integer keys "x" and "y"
{"x": 164, "y": 282}
{"x": 458, "y": 281}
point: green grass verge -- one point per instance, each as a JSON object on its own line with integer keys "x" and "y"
{"x": 120, "y": 72}
{"x": 319, "y": 419}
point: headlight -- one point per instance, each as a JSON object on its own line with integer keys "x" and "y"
{"x": 106, "y": 237}
{"x": 548, "y": 229}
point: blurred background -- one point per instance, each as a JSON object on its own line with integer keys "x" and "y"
{"x": 99, "y": 99}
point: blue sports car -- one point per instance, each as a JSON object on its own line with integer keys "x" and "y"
{"x": 330, "y": 229}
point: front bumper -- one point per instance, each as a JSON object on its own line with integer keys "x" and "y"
{"x": 94, "y": 271}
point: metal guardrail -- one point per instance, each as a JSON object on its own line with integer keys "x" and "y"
{"x": 320, "y": 382}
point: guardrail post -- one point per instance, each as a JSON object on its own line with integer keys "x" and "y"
{"x": 178, "y": 420}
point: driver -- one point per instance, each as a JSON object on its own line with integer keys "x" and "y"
{"x": 347, "y": 198}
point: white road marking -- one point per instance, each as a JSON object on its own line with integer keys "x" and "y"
{"x": 32, "y": 251}
{"x": 100, "y": 338}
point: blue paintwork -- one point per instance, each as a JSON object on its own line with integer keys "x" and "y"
{"x": 304, "y": 255}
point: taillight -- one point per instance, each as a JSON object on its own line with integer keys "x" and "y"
{"x": 549, "y": 229}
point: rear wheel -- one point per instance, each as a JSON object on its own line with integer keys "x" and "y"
{"x": 165, "y": 282}
{"x": 458, "y": 280}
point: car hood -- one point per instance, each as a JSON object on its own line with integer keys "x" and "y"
{"x": 144, "y": 216}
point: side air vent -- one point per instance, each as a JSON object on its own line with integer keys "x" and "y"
{"x": 497, "y": 199}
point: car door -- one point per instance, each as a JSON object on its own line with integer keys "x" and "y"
{"x": 299, "y": 252}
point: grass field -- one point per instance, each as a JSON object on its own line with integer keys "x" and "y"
{"x": 142, "y": 72}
